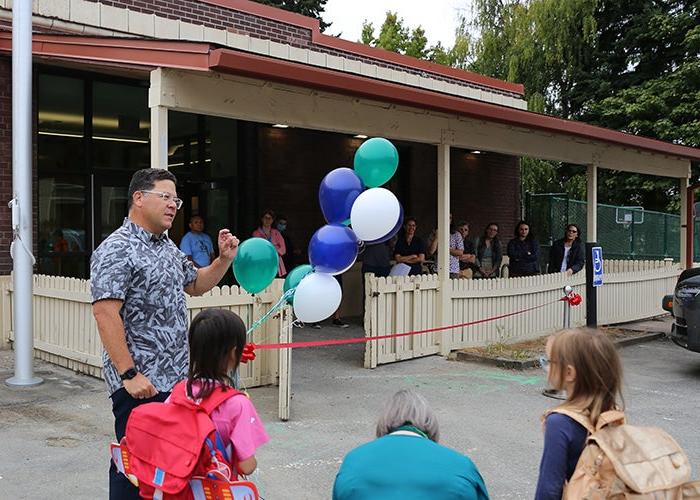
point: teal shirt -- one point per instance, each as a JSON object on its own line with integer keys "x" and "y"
{"x": 407, "y": 467}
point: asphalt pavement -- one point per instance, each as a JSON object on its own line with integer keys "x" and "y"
{"x": 54, "y": 437}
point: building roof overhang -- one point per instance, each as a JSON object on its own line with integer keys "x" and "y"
{"x": 209, "y": 57}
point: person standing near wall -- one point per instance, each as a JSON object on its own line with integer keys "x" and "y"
{"x": 137, "y": 278}
{"x": 567, "y": 254}
{"x": 197, "y": 244}
{"x": 523, "y": 252}
{"x": 273, "y": 236}
{"x": 409, "y": 248}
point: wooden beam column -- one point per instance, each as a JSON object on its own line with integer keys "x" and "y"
{"x": 159, "y": 123}
{"x": 444, "y": 316}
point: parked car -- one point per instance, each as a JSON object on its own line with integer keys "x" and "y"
{"x": 684, "y": 304}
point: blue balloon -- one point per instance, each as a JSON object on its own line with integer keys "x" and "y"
{"x": 333, "y": 249}
{"x": 338, "y": 191}
{"x": 391, "y": 233}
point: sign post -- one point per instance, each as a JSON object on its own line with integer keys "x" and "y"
{"x": 594, "y": 279}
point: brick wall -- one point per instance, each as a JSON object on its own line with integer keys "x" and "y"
{"x": 216, "y": 17}
{"x": 292, "y": 162}
{"x": 6, "y": 168}
{"x": 5, "y": 163}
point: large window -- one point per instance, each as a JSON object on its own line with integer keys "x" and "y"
{"x": 93, "y": 132}
{"x": 120, "y": 127}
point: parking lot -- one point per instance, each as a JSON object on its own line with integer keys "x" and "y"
{"x": 54, "y": 437}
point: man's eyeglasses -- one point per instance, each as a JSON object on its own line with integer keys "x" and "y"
{"x": 166, "y": 197}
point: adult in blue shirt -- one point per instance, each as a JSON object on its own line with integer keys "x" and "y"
{"x": 406, "y": 462}
{"x": 197, "y": 244}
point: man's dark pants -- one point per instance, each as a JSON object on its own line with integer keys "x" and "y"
{"x": 122, "y": 403}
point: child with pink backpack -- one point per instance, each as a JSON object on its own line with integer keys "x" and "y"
{"x": 202, "y": 440}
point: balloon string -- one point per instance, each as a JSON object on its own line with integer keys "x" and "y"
{"x": 276, "y": 306}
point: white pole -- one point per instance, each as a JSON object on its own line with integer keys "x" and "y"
{"x": 23, "y": 260}
{"x": 445, "y": 291}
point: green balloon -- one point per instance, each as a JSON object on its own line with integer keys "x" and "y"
{"x": 376, "y": 161}
{"x": 294, "y": 277}
{"x": 255, "y": 265}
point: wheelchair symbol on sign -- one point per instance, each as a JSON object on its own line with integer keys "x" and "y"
{"x": 597, "y": 254}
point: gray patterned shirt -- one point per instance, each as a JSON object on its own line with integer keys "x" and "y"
{"x": 149, "y": 273}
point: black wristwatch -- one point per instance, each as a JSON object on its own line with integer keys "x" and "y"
{"x": 129, "y": 374}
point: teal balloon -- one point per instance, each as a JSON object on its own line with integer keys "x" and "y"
{"x": 376, "y": 161}
{"x": 294, "y": 277}
{"x": 255, "y": 265}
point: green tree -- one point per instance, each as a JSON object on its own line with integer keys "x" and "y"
{"x": 630, "y": 65}
{"x": 415, "y": 45}
{"x": 367, "y": 35}
{"x": 310, "y": 8}
{"x": 393, "y": 35}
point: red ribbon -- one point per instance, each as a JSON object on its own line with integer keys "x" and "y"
{"x": 319, "y": 343}
{"x": 573, "y": 299}
{"x": 248, "y": 353}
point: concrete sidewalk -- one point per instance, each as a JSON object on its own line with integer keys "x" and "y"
{"x": 54, "y": 437}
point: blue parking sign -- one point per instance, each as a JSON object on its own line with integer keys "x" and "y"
{"x": 597, "y": 253}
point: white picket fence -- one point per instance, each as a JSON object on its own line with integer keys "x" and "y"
{"x": 632, "y": 290}
{"x": 65, "y": 332}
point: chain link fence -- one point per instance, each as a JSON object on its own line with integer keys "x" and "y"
{"x": 623, "y": 232}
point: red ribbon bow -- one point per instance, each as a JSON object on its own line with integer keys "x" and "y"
{"x": 573, "y": 299}
{"x": 248, "y": 353}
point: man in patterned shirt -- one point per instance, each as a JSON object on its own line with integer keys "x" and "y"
{"x": 137, "y": 276}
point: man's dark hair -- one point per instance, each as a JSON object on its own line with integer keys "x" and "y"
{"x": 146, "y": 178}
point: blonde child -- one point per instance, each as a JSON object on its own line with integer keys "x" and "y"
{"x": 586, "y": 364}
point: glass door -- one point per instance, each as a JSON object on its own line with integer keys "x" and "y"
{"x": 110, "y": 206}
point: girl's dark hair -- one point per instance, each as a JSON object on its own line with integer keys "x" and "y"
{"x": 213, "y": 334}
{"x": 530, "y": 235}
{"x": 269, "y": 212}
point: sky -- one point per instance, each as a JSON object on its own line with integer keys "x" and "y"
{"x": 437, "y": 17}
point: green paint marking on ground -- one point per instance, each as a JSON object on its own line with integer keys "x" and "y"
{"x": 509, "y": 377}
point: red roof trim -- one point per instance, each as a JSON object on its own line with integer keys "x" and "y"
{"x": 203, "y": 57}
{"x": 183, "y": 55}
{"x": 336, "y": 43}
{"x": 289, "y": 72}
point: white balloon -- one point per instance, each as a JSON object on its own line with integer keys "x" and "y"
{"x": 317, "y": 297}
{"x": 374, "y": 213}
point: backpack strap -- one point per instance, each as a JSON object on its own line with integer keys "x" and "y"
{"x": 610, "y": 417}
{"x": 217, "y": 397}
{"x": 575, "y": 416}
{"x": 220, "y": 394}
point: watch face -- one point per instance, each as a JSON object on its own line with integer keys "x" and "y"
{"x": 128, "y": 375}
